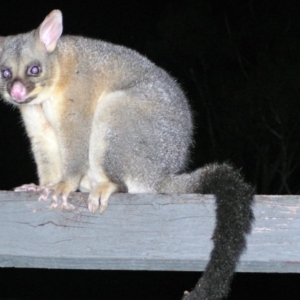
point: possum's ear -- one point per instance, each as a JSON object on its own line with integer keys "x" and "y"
{"x": 51, "y": 29}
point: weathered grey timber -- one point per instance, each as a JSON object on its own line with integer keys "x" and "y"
{"x": 141, "y": 232}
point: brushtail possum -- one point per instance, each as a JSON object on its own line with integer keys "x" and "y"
{"x": 101, "y": 118}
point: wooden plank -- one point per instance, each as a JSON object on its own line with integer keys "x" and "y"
{"x": 141, "y": 232}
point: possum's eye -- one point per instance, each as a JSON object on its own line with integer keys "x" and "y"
{"x": 33, "y": 71}
{"x": 6, "y": 73}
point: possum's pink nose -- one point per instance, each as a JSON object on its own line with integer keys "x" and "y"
{"x": 18, "y": 91}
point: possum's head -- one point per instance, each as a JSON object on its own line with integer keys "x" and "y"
{"x": 27, "y": 62}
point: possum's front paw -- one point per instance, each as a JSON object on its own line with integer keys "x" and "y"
{"x": 31, "y": 187}
{"x": 99, "y": 196}
{"x": 61, "y": 189}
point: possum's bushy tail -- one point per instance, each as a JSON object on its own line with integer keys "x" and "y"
{"x": 234, "y": 215}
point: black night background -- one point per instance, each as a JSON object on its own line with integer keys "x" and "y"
{"x": 239, "y": 64}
